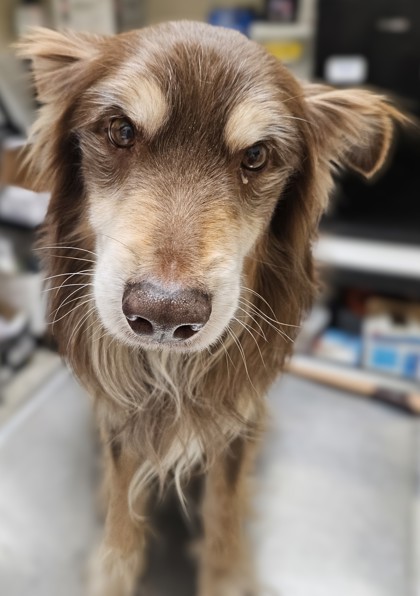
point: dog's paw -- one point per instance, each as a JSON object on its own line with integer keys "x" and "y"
{"x": 228, "y": 591}
{"x": 113, "y": 574}
{"x": 228, "y": 587}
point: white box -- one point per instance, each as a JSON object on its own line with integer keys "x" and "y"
{"x": 93, "y": 16}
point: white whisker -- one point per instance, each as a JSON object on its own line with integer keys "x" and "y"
{"x": 242, "y": 353}
{"x": 83, "y": 272}
{"x": 61, "y": 247}
{"x": 69, "y": 313}
{"x": 65, "y": 286}
{"x": 255, "y": 341}
{"x": 81, "y": 322}
{"x": 267, "y": 317}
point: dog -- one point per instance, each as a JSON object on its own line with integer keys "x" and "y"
{"x": 189, "y": 170}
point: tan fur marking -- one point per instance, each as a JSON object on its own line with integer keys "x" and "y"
{"x": 142, "y": 100}
{"x": 249, "y": 122}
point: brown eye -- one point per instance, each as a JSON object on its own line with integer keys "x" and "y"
{"x": 255, "y": 157}
{"x": 121, "y": 132}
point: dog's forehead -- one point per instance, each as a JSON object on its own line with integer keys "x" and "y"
{"x": 199, "y": 81}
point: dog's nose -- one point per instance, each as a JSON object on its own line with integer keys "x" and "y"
{"x": 162, "y": 314}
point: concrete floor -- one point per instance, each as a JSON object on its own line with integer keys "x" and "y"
{"x": 335, "y": 510}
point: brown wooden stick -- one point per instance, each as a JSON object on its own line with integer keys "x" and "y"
{"x": 346, "y": 380}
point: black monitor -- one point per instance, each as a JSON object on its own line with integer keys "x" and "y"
{"x": 383, "y": 34}
{"x": 376, "y": 43}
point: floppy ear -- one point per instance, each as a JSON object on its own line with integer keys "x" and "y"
{"x": 353, "y": 127}
{"x": 57, "y": 59}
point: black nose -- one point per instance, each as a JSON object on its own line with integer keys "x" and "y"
{"x": 162, "y": 314}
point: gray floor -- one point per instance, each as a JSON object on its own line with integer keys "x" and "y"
{"x": 336, "y": 496}
{"x": 47, "y": 509}
{"x": 335, "y": 511}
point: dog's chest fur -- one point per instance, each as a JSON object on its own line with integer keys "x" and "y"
{"x": 172, "y": 411}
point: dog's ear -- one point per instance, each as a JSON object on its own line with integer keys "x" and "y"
{"x": 353, "y": 128}
{"x": 57, "y": 59}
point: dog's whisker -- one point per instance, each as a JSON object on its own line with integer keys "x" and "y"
{"x": 83, "y": 319}
{"x": 227, "y": 358}
{"x": 87, "y": 272}
{"x": 263, "y": 317}
{"x": 270, "y": 324}
{"x": 221, "y": 343}
{"x": 268, "y": 317}
{"x": 279, "y": 332}
{"x": 247, "y": 313}
{"x": 255, "y": 341}
{"x": 61, "y": 247}
{"x": 84, "y": 285}
{"x": 63, "y": 283}
{"x": 248, "y": 325}
{"x": 99, "y": 329}
{"x": 67, "y": 277}
{"x": 81, "y": 259}
{"x": 251, "y": 308}
{"x": 242, "y": 353}
{"x": 66, "y": 301}
{"x": 69, "y": 313}
{"x": 255, "y": 293}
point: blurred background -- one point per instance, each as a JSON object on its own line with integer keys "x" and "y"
{"x": 338, "y": 506}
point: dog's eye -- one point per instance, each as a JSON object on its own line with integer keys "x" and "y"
{"x": 121, "y": 132}
{"x": 255, "y": 157}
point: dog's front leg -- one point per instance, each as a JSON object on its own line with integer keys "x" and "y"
{"x": 120, "y": 559}
{"x": 226, "y": 569}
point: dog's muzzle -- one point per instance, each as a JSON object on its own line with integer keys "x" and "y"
{"x": 166, "y": 316}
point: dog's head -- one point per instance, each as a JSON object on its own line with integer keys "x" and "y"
{"x": 184, "y": 151}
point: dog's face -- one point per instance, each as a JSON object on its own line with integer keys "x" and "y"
{"x": 187, "y": 136}
{"x": 184, "y": 161}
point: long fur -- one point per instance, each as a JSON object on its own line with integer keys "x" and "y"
{"x": 178, "y": 412}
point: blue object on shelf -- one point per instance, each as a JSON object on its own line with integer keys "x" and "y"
{"x": 232, "y": 18}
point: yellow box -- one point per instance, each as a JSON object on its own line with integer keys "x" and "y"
{"x": 286, "y": 51}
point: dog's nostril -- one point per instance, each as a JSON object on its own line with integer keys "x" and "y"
{"x": 186, "y": 331}
{"x": 140, "y": 325}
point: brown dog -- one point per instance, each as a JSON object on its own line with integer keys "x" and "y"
{"x": 188, "y": 171}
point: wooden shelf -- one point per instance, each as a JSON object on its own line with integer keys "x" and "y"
{"x": 385, "y": 258}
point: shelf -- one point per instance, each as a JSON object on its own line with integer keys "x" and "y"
{"x": 262, "y": 31}
{"x": 391, "y": 259}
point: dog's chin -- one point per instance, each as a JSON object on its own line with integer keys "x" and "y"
{"x": 181, "y": 347}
